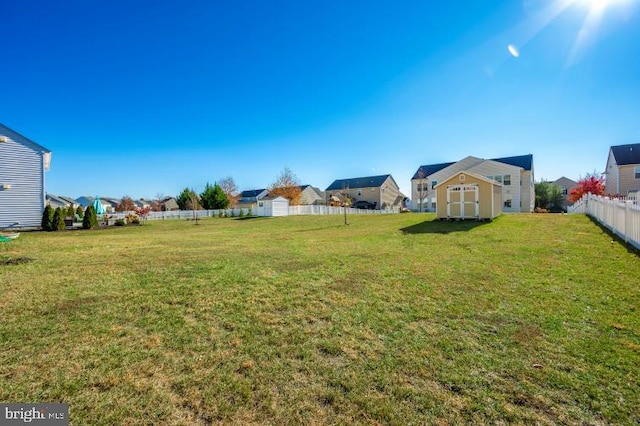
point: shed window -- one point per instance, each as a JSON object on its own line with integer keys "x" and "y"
{"x": 636, "y": 172}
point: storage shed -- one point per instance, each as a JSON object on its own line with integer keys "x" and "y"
{"x": 273, "y": 206}
{"x": 466, "y": 195}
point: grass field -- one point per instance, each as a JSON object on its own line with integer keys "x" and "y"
{"x": 396, "y": 319}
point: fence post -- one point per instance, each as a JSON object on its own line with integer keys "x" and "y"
{"x": 628, "y": 224}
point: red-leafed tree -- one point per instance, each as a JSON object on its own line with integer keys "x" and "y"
{"x": 592, "y": 183}
{"x": 143, "y": 212}
{"x": 126, "y": 204}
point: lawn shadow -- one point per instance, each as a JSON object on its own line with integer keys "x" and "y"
{"x": 250, "y": 217}
{"x": 630, "y": 248}
{"x": 436, "y": 226}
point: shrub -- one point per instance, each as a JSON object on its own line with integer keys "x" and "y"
{"x": 47, "y": 218}
{"x": 220, "y": 213}
{"x": 249, "y": 212}
{"x": 58, "y": 220}
{"x": 120, "y": 222}
{"x": 90, "y": 219}
{"x": 132, "y": 219}
{"x": 232, "y": 213}
{"x": 241, "y": 214}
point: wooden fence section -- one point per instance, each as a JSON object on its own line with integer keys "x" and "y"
{"x": 621, "y": 216}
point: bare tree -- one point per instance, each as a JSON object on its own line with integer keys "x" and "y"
{"x": 346, "y": 201}
{"x": 230, "y": 189}
{"x": 287, "y": 186}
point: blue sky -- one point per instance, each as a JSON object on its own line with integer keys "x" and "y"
{"x": 148, "y": 97}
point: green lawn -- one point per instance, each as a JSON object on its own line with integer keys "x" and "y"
{"x": 391, "y": 320}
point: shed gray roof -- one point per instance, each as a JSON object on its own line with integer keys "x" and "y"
{"x": 626, "y": 154}
{"x": 361, "y": 182}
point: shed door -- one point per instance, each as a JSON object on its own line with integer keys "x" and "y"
{"x": 463, "y": 201}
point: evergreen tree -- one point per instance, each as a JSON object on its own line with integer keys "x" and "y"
{"x": 90, "y": 219}
{"x": 80, "y": 212}
{"x": 58, "y": 220}
{"x": 214, "y": 198}
{"x": 186, "y": 198}
{"x": 47, "y": 218}
{"x": 70, "y": 211}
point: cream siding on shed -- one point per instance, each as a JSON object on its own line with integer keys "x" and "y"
{"x": 489, "y": 194}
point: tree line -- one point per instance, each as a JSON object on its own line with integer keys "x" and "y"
{"x": 224, "y": 194}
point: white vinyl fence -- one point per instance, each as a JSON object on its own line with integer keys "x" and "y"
{"x": 293, "y": 211}
{"x": 621, "y": 216}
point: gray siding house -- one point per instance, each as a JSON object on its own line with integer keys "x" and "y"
{"x": 22, "y": 180}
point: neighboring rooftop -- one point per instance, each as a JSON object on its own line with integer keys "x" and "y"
{"x": 361, "y": 182}
{"x": 626, "y": 154}
{"x": 524, "y": 161}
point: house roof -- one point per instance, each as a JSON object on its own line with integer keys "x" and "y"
{"x": 17, "y": 137}
{"x": 361, "y": 182}
{"x": 524, "y": 161}
{"x": 252, "y": 193}
{"x": 56, "y": 199}
{"x": 565, "y": 182}
{"x": 626, "y": 154}
{"x": 430, "y": 169}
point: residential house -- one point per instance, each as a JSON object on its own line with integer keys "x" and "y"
{"x": 623, "y": 170}
{"x": 382, "y": 191}
{"x": 566, "y": 185}
{"x": 250, "y": 198}
{"x": 310, "y": 195}
{"x": 22, "y": 180}
{"x": 55, "y": 201}
{"x": 515, "y": 174}
{"x": 168, "y": 203}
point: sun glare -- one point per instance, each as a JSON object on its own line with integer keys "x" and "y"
{"x": 596, "y": 9}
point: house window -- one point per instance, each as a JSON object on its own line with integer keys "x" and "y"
{"x": 636, "y": 172}
{"x": 498, "y": 179}
{"x": 565, "y": 191}
{"x": 433, "y": 183}
{"x": 507, "y": 180}
{"x": 490, "y": 177}
{"x": 507, "y": 203}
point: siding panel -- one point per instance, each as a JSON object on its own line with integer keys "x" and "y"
{"x": 22, "y": 168}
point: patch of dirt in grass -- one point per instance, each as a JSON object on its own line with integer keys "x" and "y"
{"x": 525, "y": 334}
{"x": 15, "y": 261}
{"x": 73, "y": 304}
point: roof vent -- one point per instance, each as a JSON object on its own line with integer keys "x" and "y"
{"x": 4, "y": 139}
